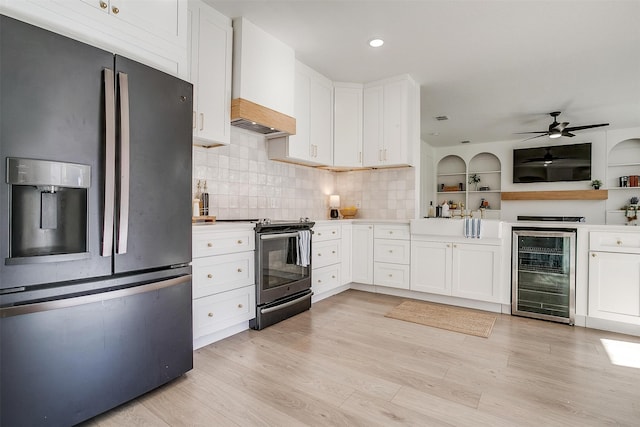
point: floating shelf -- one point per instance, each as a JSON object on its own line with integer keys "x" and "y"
{"x": 556, "y": 195}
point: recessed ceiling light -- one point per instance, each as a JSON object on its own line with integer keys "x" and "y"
{"x": 376, "y": 42}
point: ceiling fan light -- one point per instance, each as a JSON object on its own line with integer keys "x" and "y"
{"x": 555, "y": 135}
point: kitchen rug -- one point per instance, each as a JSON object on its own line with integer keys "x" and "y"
{"x": 457, "y": 319}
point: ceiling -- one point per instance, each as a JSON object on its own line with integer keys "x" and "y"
{"x": 493, "y": 67}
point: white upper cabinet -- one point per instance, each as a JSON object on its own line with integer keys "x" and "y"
{"x": 313, "y": 103}
{"x": 347, "y": 125}
{"x": 211, "y": 44}
{"x": 154, "y": 33}
{"x": 391, "y": 122}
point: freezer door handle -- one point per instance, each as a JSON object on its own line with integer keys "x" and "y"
{"x": 91, "y": 298}
{"x": 110, "y": 162}
{"x": 123, "y": 217}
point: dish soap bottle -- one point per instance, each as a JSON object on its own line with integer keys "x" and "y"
{"x": 198, "y": 197}
{"x": 431, "y": 213}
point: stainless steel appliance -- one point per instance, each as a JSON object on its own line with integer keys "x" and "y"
{"x": 95, "y": 242}
{"x": 283, "y": 270}
{"x": 543, "y": 273}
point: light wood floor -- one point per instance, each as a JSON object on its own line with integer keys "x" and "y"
{"x": 344, "y": 364}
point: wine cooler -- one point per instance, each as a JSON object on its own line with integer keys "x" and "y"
{"x": 543, "y": 274}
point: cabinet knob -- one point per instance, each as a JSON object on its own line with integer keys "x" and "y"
{"x": 239, "y": 270}
{"x": 455, "y": 246}
{"x": 209, "y": 245}
{"x": 240, "y": 306}
{"x": 319, "y": 281}
{"x": 448, "y": 245}
{"x": 115, "y": 10}
{"x": 103, "y": 5}
{"x": 333, "y": 232}
{"x": 390, "y": 275}
{"x": 209, "y": 276}
{"x": 390, "y": 232}
{"x": 239, "y": 242}
{"x": 210, "y": 314}
{"x": 593, "y": 255}
{"x": 390, "y": 251}
{"x": 333, "y": 277}
{"x": 319, "y": 254}
{"x": 618, "y": 242}
{"x": 333, "y": 252}
{"x": 319, "y": 233}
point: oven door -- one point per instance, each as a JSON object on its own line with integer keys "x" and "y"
{"x": 278, "y": 274}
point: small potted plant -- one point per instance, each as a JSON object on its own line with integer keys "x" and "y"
{"x": 474, "y": 179}
{"x": 596, "y": 183}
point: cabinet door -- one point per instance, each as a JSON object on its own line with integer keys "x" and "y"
{"x": 395, "y": 128}
{"x": 614, "y": 286}
{"x": 362, "y": 254}
{"x": 320, "y": 118}
{"x": 347, "y": 126}
{"x": 299, "y": 146}
{"x": 476, "y": 272}
{"x": 373, "y": 126}
{"x": 211, "y": 67}
{"x": 431, "y": 267}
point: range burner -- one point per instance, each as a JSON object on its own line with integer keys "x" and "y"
{"x": 269, "y": 224}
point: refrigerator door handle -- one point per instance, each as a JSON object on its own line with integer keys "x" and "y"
{"x": 123, "y": 217}
{"x": 110, "y": 162}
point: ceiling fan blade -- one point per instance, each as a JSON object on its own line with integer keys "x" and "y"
{"x": 569, "y": 134}
{"x": 533, "y": 137}
{"x": 561, "y": 126}
{"x": 524, "y": 133}
{"x": 571, "y": 129}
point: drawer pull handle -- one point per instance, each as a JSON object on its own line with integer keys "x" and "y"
{"x": 210, "y": 314}
{"x": 455, "y": 246}
{"x": 319, "y": 281}
{"x": 448, "y": 245}
{"x": 390, "y": 232}
{"x": 239, "y": 270}
{"x": 333, "y": 232}
{"x": 593, "y": 255}
{"x": 209, "y": 276}
{"x": 390, "y": 251}
{"x": 240, "y": 306}
{"x": 103, "y": 5}
{"x": 333, "y": 277}
{"x": 319, "y": 234}
{"x": 319, "y": 254}
{"x": 239, "y": 242}
{"x": 619, "y": 242}
{"x": 115, "y": 10}
{"x": 390, "y": 275}
{"x": 209, "y": 245}
{"x": 333, "y": 252}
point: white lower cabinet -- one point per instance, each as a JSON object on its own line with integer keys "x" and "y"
{"x": 614, "y": 277}
{"x": 362, "y": 254}
{"x": 326, "y": 260}
{"x": 224, "y": 296}
{"x": 391, "y": 255}
{"x": 465, "y": 270}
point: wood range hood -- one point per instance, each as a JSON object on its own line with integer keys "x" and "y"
{"x": 263, "y": 79}
{"x": 258, "y": 118}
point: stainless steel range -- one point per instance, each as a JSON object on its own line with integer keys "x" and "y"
{"x": 283, "y": 270}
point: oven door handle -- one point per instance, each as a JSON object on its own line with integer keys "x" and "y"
{"x": 286, "y": 304}
{"x": 277, "y": 236}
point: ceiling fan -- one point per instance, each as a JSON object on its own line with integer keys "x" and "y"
{"x": 556, "y": 130}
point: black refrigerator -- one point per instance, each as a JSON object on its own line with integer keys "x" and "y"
{"x": 95, "y": 228}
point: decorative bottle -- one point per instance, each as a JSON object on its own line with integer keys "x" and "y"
{"x": 445, "y": 210}
{"x": 431, "y": 213}
{"x": 205, "y": 201}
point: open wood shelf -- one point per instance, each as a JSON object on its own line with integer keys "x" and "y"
{"x": 556, "y": 195}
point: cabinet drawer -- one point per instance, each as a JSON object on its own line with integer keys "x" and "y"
{"x": 326, "y": 253}
{"x": 217, "y": 312}
{"x": 607, "y": 241}
{"x": 325, "y": 278}
{"x": 395, "y": 251}
{"x": 326, "y": 232}
{"x": 391, "y": 231}
{"x": 215, "y": 274}
{"x": 222, "y": 242}
{"x": 391, "y": 275}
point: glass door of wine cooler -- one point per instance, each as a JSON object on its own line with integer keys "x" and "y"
{"x": 543, "y": 274}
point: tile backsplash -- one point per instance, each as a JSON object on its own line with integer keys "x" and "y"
{"x": 243, "y": 183}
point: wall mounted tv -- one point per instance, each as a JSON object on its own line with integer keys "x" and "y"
{"x": 551, "y": 164}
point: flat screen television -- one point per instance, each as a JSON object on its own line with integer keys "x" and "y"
{"x": 553, "y": 163}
